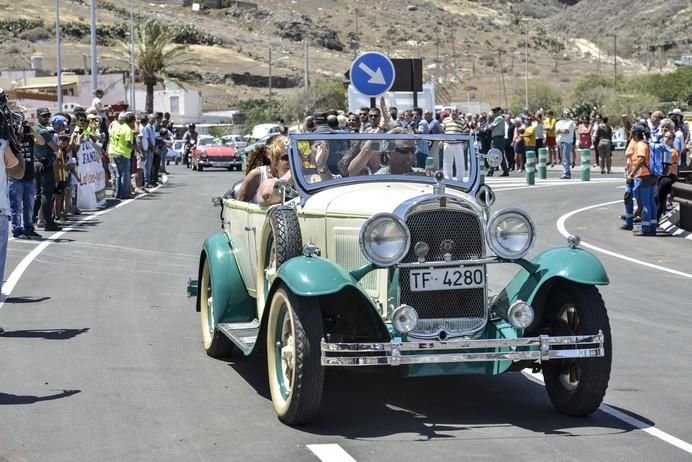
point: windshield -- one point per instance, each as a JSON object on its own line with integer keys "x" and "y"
{"x": 323, "y": 160}
{"x": 208, "y": 141}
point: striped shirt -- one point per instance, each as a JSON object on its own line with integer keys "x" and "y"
{"x": 455, "y": 126}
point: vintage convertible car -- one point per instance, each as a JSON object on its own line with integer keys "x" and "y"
{"x": 357, "y": 269}
{"x": 214, "y": 153}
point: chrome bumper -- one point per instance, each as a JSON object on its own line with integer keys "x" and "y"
{"x": 397, "y": 353}
{"x": 220, "y": 163}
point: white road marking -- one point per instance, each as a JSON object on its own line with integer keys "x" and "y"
{"x": 628, "y": 419}
{"x": 17, "y": 273}
{"x": 330, "y": 453}
{"x": 563, "y": 230}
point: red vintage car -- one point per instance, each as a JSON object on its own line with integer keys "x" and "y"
{"x": 211, "y": 152}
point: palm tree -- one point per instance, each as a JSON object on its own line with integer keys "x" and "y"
{"x": 156, "y": 54}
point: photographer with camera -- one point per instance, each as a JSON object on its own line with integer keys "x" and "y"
{"x": 23, "y": 190}
{"x": 12, "y": 165}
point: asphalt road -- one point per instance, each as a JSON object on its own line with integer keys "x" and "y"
{"x": 102, "y": 358}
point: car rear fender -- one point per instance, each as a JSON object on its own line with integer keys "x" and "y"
{"x": 231, "y": 300}
{"x": 534, "y": 281}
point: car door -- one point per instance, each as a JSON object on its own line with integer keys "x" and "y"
{"x": 236, "y": 223}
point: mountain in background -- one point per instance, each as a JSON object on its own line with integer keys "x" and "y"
{"x": 472, "y": 50}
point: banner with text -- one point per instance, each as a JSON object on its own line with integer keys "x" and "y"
{"x": 91, "y": 171}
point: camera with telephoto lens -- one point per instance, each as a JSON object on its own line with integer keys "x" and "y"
{"x": 10, "y": 123}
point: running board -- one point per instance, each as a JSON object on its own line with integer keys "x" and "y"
{"x": 242, "y": 334}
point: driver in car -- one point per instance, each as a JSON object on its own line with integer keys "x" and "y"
{"x": 400, "y": 156}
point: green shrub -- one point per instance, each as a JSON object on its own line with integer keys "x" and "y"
{"x": 14, "y": 27}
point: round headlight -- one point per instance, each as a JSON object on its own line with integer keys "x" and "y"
{"x": 384, "y": 239}
{"x": 520, "y": 315}
{"x": 510, "y": 233}
{"x": 404, "y": 319}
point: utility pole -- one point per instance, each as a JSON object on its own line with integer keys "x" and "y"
{"x": 502, "y": 76}
{"x": 270, "y": 84}
{"x": 58, "y": 53}
{"x": 94, "y": 64}
{"x": 526, "y": 80}
{"x": 306, "y": 78}
{"x": 615, "y": 58}
{"x": 355, "y": 48}
{"x": 132, "y": 56}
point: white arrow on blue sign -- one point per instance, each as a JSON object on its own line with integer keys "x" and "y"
{"x": 372, "y": 73}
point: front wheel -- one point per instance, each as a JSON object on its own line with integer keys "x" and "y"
{"x": 576, "y": 387}
{"x": 216, "y": 344}
{"x": 296, "y": 376}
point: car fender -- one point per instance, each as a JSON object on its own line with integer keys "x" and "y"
{"x": 319, "y": 277}
{"x": 232, "y": 303}
{"x": 533, "y": 282}
{"x": 314, "y": 276}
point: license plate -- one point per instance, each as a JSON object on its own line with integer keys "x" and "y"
{"x": 465, "y": 277}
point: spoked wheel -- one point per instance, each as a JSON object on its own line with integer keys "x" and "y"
{"x": 216, "y": 344}
{"x": 296, "y": 377}
{"x": 576, "y": 387}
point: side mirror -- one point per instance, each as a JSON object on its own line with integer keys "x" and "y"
{"x": 494, "y": 157}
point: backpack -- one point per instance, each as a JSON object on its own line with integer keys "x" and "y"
{"x": 656, "y": 154}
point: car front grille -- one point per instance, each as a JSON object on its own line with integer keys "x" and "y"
{"x": 457, "y": 312}
{"x": 223, "y": 159}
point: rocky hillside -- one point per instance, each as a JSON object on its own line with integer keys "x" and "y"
{"x": 471, "y": 49}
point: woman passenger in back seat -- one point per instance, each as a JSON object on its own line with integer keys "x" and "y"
{"x": 258, "y": 185}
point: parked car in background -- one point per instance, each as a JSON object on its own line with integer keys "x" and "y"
{"x": 237, "y": 141}
{"x": 175, "y": 154}
{"x": 213, "y": 153}
{"x": 378, "y": 263}
{"x": 262, "y": 130}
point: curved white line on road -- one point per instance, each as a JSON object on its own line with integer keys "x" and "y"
{"x": 563, "y": 230}
{"x": 16, "y": 274}
{"x": 537, "y": 377}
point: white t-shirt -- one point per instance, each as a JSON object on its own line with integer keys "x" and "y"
{"x": 564, "y": 124}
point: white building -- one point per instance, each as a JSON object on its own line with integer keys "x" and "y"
{"x": 184, "y": 106}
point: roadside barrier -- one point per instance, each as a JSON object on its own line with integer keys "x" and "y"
{"x": 530, "y": 168}
{"x": 586, "y": 165}
{"x": 682, "y": 194}
{"x": 542, "y": 163}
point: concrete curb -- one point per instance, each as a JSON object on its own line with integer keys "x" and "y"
{"x": 669, "y": 223}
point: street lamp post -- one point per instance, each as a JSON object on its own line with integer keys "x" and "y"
{"x": 58, "y": 53}
{"x": 132, "y": 55}
{"x": 526, "y": 59}
{"x": 94, "y": 64}
{"x": 270, "y": 84}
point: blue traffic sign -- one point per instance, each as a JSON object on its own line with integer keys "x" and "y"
{"x": 372, "y": 73}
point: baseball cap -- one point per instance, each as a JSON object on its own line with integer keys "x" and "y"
{"x": 444, "y": 114}
{"x": 42, "y": 111}
{"x": 58, "y": 121}
{"x": 638, "y": 129}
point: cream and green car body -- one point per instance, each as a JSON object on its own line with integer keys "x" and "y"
{"x": 239, "y": 287}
